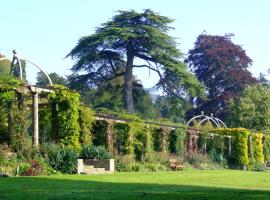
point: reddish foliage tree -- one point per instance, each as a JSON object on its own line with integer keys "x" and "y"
{"x": 222, "y": 67}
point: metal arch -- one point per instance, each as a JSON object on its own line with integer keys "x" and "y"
{"x": 15, "y": 57}
{"x": 12, "y": 63}
{"x": 210, "y": 118}
{"x": 198, "y": 116}
{"x": 216, "y": 121}
{"x": 46, "y": 74}
{"x": 220, "y": 121}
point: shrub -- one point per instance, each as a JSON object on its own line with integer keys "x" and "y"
{"x": 123, "y": 163}
{"x": 180, "y": 147}
{"x": 256, "y": 166}
{"x": 158, "y": 157}
{"x": 267, "y": 147}
{"x": 95, "y": 152}
{"x": 240, "y": 137}
{"x": 257, "y": 147}
{"x": 199, "y": 161}
{"x": 63, "y": 159}
{"x": 35, "y": 169}
{"x": 121, "y": 131}
{"x": 86, "y": 119}
{"x": 65, "y": 116}
{"x": 141, "y": 167}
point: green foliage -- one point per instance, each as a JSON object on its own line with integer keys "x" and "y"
{"x": 14, "y": 114}
{"x": 267, "y": 147}
{"x": 35, "y": 169}
{"x": 180, "y": 145}
{"x": 200, "y": 161}
{"x": 129, "y": 164}
{"x": 110, "y": 95}
{"x": 7, "y": 85}
{"x": 4, "y": 66}
{"x": 86, "y": 120}
{"x": 45, "y": 124}
{"x": 173, "y": 108}
{"x": 43, "y": 81}
{"x": 95, "y": 152}
{"x": 257, "y": 147}
{"x": 241, "y": 140}
{"x": 136, "y": 139}
{"x": 157, "y": 139}
{"x": 121, "y": 133}
{"x": 99, "y": 133}
{"x": 4, "y": 137}
{"x": 240, "y": 143}
{"x": 67, "y": 114}
{"x": 252, "y": 109}
{"x": 111, "y": 52}
{"x": 63, "y": 159}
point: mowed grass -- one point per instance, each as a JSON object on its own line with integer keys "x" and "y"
{"x": 227, "y": 184}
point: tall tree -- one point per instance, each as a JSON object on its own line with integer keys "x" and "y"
{"x": 222, "y": 67}
{"x": 172, "y": 108}
{"x": 111, "y": 52}
{"x": 110, "y": 95}
{"x": 252, "y": 109}
{"x": 42, "y": 80}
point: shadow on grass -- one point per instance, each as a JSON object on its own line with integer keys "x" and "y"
{"x": 46, "y": 188}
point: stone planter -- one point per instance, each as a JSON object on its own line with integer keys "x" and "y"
{"x": 106, "y": 165}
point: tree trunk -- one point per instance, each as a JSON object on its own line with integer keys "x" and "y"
{"x": 129, "y": 84}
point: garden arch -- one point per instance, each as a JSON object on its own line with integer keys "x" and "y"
{"x": 18, "y": 60}
{"x": 34, "y": 90}
{"x": 203, "y": 118}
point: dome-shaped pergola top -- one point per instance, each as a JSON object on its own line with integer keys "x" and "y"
{"x": 203, "y": 118}
{"x": 18, "y": 60}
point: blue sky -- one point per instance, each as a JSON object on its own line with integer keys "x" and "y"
{"x": 45, "y": 31}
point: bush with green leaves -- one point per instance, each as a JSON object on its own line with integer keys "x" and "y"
{"x": 267, "y": 147}
{"x": 63, "y": 159}
{"x": 65, "y": 116}
{"x": 95, "y": 152}
{"x": 257, "y": 147}
{"x": 86, "y": 120}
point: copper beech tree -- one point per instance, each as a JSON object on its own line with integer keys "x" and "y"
{"x": 222, "y": 67}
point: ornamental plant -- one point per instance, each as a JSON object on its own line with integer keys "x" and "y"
{"x": 257, "y": 147}
{"x": 240, "y": 136}
{"x": 65, "y": 116}
{"x": 95, "y": 152}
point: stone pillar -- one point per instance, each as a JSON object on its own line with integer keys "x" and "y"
{"x": 229, "y": 145}
{"x": 35, "y": 118}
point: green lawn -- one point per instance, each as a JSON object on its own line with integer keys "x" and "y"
{"x": 160, "y": 185}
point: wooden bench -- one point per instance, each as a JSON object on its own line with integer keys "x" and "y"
{"x": 175, "y": 166}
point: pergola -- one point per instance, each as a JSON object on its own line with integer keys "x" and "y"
{"x": 34, "y": 90}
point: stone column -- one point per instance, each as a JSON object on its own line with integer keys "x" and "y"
{"x": 229, "y": 145}
{"x": 35, "y": 118}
